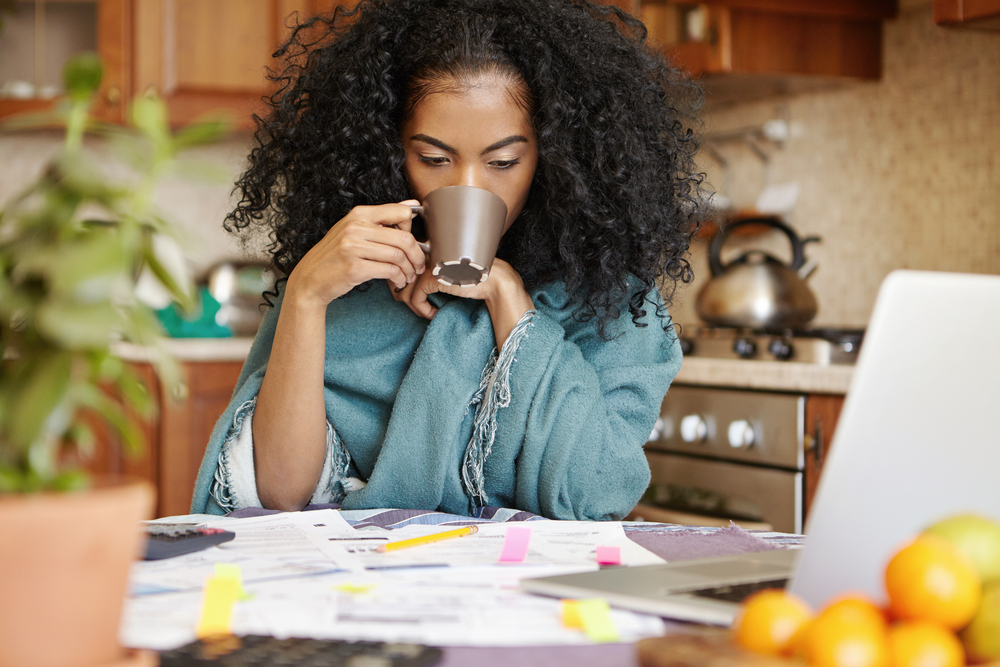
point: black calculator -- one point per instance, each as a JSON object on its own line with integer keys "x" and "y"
{"x": 253, "y": 650}
{"x": 165, "y": 540}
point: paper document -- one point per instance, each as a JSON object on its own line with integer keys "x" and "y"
{"x": 311, "y": 574}
{"x": 268, "y": 547}
{"x": 551, "y": 543}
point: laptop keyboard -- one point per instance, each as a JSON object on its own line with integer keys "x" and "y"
{"x": 738, "y": 592}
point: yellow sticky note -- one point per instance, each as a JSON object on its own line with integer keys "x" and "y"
{"x": 354, "y": 589}
{"x": 232, "y": 571}
{"x": 595, "y": 615}
{"x": 571, "y": 614}
{"x": 217, "y": 600}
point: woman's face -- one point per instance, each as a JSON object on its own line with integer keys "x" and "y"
{"x": 472, "y": 135}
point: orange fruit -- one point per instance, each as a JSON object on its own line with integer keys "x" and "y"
{"x": 849, "y": 632}
{"x": 857, "y": 608}
{"x": 768, "y": 620}
{"x": 924, "y": 644}
{"x": 931, "y": 579}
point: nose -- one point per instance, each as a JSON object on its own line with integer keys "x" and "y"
{"x": 472, "y": 175}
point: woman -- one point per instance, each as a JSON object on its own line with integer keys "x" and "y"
{"x": 372, "y": 384}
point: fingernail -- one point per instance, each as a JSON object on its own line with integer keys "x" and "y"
{"x": 397, "y": 290}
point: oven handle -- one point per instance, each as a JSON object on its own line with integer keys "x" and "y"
{"x": 814, "y": 441}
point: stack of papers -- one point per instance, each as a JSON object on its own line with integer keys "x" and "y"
{"x": 311, "y": 574}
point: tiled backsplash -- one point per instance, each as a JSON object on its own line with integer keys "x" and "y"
{"x": 899, "y": 173}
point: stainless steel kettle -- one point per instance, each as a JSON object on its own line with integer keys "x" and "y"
{"x": 757, "y": 290}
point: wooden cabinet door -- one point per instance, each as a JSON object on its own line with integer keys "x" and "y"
{"x": 186, "y": 423}
{"x": 969, "y": 13}
{"x": 199, "y": 55}
{"x": 839, "y": 38}
{"x": 175, "y": 437}
{"x": 109, "y": 459}
{"x": 822, "y": 413}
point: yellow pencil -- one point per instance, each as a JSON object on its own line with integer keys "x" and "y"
{"x": 427, "y": 539}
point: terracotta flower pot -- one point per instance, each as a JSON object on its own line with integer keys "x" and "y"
{"x": 64, "y": 562}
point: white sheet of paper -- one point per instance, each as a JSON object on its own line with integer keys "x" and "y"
{"x": 267, "y": 547}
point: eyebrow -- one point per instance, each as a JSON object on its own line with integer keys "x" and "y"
{"x": 503, "y": 143}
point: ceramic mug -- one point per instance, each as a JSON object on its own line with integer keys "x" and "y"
{"x": 464, "y": 225}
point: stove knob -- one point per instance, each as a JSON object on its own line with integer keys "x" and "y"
{"x": 687, "y": 346}
{"x": 745, "y": 348}
{"x": 694, "y": 429}
{"x": 781, "y": 348}
{"x": 657, "y": 431}
{"x": 741, "y": 434}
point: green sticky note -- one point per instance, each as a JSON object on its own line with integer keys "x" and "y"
{"x": 595, "y": 615}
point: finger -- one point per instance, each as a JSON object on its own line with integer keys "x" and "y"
{"x": 400, "y": 293}
{"x": 364, "y": 270}
{"x": 402, "y": 241}
{"x": 381, "y": 244}
{"x": 418, "y": 297}
{"x": 387, "y": 215}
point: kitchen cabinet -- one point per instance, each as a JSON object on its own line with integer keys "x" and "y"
{"x": 749, "y": 49}
{"x": 982, "y": 14}
{"x": 821, "y": 415}
{"x": 199, "y": 55}
{"x": 36, "y": 40}
{"x": 176, "y": 437}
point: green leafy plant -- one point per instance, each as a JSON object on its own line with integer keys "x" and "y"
{"x": 72, "y": 247}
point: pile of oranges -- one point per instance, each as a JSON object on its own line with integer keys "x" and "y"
{"x": 933, "y": 587}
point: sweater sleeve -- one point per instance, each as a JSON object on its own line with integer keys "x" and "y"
{"x": 583, "y": 407}
{"x": 235, "y": 484}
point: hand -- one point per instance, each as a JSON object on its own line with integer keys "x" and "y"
{"x": 369, "y": 242}
{"x": 503, "y": 291}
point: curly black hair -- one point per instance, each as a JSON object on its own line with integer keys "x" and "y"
{"x": 615, "y": 196}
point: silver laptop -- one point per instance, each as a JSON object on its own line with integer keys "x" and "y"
{"x": 917, "y": 440}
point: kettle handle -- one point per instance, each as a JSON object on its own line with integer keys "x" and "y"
{"x": 798, "y": 246}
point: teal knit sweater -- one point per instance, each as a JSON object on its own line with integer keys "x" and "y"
{"x": 431, "y": 418}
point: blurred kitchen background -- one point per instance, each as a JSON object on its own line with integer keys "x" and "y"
{"x": 903, "y": 172}
{"x": 898, "y": 172}
{"x": 872, "y": 124}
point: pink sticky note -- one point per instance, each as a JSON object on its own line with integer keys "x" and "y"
{"x": 515, "y": 544}
{"x": 609, "y": 556}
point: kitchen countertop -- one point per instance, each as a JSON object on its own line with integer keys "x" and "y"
{"x": 775, "y": 375}
{"x": 191, "y": 349}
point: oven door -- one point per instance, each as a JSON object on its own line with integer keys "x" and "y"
{"x": 707, "y": 491}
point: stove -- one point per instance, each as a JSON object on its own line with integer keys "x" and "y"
{"x": 725, "y": 453}
{"x": 822, "y": 346}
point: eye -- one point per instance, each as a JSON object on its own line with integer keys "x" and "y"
{"x": 504, "y": 164}
{"x": 433, "y": 160}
